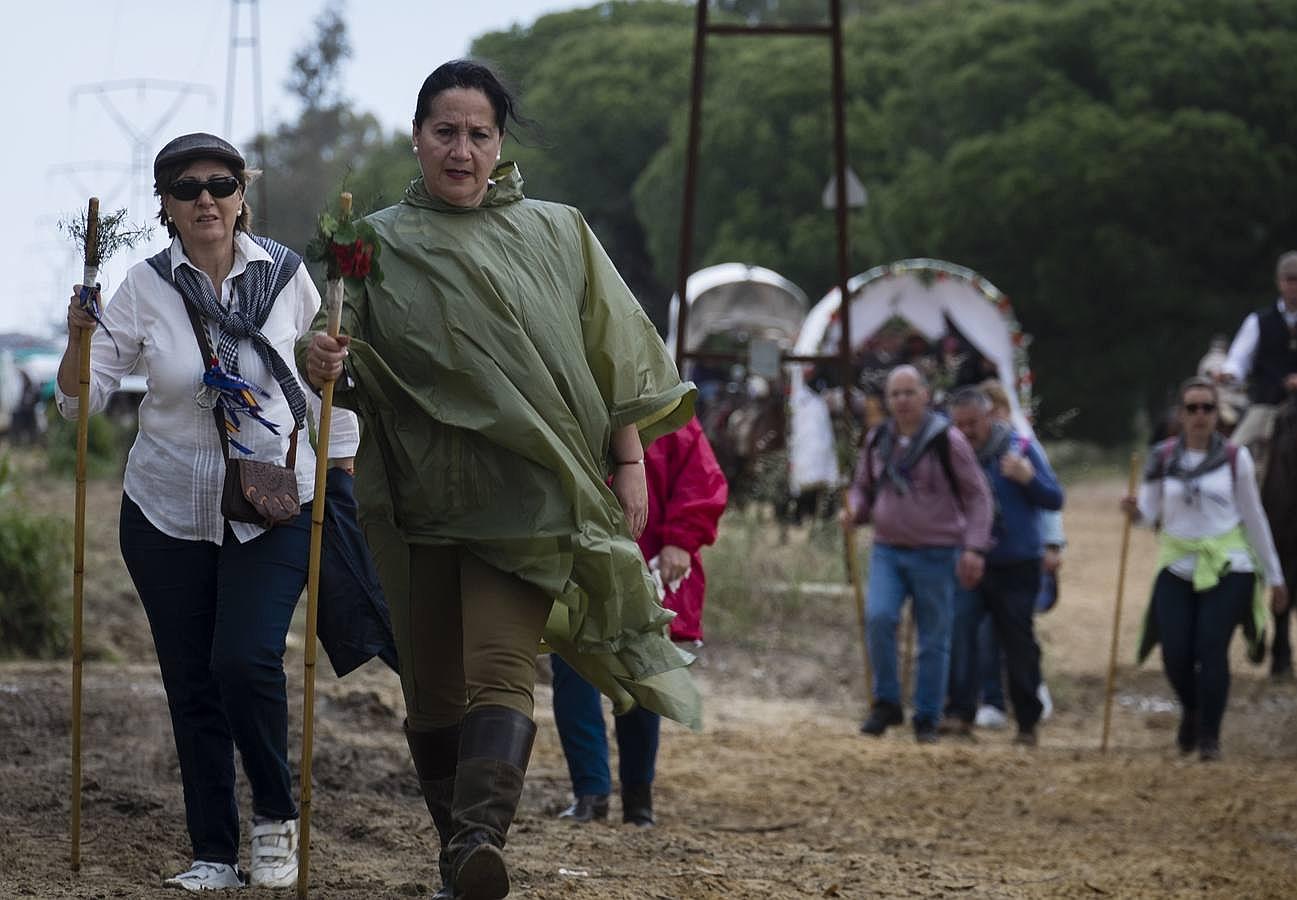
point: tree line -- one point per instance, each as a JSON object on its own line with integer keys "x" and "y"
{"x": 1122, "y": 169}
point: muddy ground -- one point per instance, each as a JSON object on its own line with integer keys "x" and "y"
{"x": 778, "y": 797}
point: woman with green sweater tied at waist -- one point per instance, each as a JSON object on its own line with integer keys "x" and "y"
{"x": 502, "y": 370}
{"x": 1201, "y": 492}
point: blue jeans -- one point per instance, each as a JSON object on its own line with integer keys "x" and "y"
{"x": 1195, "y": 629}
{"x": 220, "y": 617}
{"x": 928, "y": 575}
{"x": 578, "y": 713}
{"x": 1007, "y": 596}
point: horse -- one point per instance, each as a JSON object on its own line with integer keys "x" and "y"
{"x": 1279, "y": 498}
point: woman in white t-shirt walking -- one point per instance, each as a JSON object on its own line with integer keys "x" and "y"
{"x": 1201, "y": 492}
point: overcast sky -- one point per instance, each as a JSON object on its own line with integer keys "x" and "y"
{"x": 62, "y": 142}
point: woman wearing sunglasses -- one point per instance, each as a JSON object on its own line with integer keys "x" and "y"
{"x": 219, "y": 595}
{"x": 1215, "y": 549}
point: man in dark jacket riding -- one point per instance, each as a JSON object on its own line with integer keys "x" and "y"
{"x": 1264, "y": 354}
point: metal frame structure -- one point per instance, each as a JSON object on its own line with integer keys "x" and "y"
{"x": 832, "y": 31}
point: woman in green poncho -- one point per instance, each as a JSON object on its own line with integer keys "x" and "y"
{"x": 502, "y": 370}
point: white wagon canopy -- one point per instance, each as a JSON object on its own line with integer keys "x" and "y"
{"x": 737, "y": 304}
{"x": 933, "y": 298}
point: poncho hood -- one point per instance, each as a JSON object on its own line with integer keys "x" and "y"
{"x": 505, "y": 187}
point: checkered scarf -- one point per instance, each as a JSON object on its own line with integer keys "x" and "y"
{"x": 256, "y": 289}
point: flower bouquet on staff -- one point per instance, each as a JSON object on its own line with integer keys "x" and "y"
{"x": 98, "y": 238}
{"x": 349, "y": 250}
{"x": 348, "y": 247}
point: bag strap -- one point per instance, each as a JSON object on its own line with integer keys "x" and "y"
{"x": 941, "y": 444}
{"x": 161, "y": 263}
{"x": 884, "y": 441}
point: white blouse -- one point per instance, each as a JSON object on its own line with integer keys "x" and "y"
{"x": 1211, "y": 505}
{"x": 175, "y": 472}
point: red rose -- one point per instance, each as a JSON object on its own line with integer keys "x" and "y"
{"x": 342, "y": 254}
{"x": 362, "y": 256}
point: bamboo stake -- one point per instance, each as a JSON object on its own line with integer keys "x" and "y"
{"x": 1116, "y": 612}
{"x": 89, "y": 277}
{"x": 853, "y": 575}
{"x": 333, "y": 309}
{"x": 907, "y": 651}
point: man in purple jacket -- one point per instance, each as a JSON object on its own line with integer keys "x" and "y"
{"x": 919, "y": 483}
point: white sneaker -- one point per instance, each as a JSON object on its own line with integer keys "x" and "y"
{"x": 207, "y": 876}
{"x": 274, "y": 853}
{"x": 1046, "y": 702}
{"x": 990, "y": 717}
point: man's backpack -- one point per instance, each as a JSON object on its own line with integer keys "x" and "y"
{"x": 884, "y": 439}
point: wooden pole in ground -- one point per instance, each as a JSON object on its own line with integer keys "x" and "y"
{"x": 907, "y": 644}
{"x": 862, "y": 619}
{"x": 333, "y": 311}
{"x": 89, "y": 277}
{"x": 1116, "y": 611}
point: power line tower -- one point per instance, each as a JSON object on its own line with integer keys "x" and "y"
{"x": 141, "y": 138}
{"x": 249, "y": 40}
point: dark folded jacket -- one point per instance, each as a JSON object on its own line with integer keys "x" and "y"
{"x": 353, "y": 621}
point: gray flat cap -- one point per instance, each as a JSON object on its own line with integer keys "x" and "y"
{"x": 199, "y": 145}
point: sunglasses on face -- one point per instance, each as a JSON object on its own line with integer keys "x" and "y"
{"x": 218, "y": 186}
{"x": 1194, "y": 408}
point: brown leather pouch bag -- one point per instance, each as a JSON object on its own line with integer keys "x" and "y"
{"x": 263, "y": 493}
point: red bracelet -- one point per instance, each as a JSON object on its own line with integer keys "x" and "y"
{"x": 629, "y": 462}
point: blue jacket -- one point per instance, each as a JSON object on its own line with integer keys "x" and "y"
{"x": 1016, "y": 532}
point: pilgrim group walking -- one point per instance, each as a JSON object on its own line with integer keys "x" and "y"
{"x": 530, "y": 470}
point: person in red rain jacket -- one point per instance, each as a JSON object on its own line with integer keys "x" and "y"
{"x": 686, "y": 494}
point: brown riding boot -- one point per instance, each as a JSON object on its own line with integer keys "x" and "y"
{"x": 436, "y": 754}
{"x": 493, "y": 751}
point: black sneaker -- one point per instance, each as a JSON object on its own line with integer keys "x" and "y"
{"x": 925, "y": 731}
{"x": 1209, "y": 750}
{"x": 1026, "y": 737}
{"x": 955, "y": 726}
{"x": 587, "y": 808}
{"x": 637, "y": 805}
{"x": 881, "y": 716}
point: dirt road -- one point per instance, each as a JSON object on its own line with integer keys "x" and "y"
{"x": 778, "y": 797}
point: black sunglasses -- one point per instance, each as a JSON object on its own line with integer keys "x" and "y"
{"x": 190, "y": 188}
{"x": 1192, "y": 408}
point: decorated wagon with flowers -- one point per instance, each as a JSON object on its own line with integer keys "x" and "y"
{"x": 951, "y": 322}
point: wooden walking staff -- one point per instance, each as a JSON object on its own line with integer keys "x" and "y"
{"x": 1116, "y": 612}
{"x": 907, "y": 649}
{"x": 333, "y": 311}
{"x": 88, "y": 279}
{"x": 853, "y": 575}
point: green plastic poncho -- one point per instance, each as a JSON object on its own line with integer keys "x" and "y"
{"x": 489, "y": 370}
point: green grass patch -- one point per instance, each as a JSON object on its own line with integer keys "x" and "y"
{"x": 765, "y": 581}
{"x": 34, "y": 562}
{"x": 106, "y": 446}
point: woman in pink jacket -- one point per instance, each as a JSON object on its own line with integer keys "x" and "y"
{"x": 686, "y": 494}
